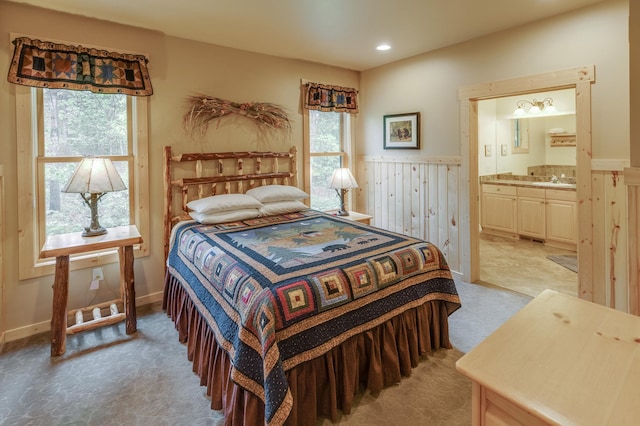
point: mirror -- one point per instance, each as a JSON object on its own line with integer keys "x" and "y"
{"x": 521, "y": 144}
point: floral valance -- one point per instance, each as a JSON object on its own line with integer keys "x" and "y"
{"x": 323, "y": 97}
{"x": 59, "y": 66}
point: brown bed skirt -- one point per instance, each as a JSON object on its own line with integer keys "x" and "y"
{"x": 321, "y": 387}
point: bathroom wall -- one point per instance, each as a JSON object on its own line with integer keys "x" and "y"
{"x": 496, "y": 134}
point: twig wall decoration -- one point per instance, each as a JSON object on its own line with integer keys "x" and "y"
{"x": 204, "y": 109}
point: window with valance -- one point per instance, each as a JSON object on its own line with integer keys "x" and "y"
{"x": 52, "y": 65}
{"x": 328, "y": 138}
{"x": 73, "y": 102}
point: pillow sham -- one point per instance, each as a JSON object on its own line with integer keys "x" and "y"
{"x": 273, "y": 193}
{"x": 227, "y": 216}
{"x": 223, "y": 203}
{"x": 282, "y": 207}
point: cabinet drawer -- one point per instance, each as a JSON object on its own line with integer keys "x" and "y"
{"x": 499, "y": 189}
{"x": 531, "y": 192}
{"x": 556, "y": 194}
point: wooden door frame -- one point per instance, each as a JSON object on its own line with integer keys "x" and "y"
{"x": 3, "y": 308}
{"x": 579, "y": 79}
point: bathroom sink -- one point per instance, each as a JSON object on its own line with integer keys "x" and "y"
{"x": 554, "y": 185}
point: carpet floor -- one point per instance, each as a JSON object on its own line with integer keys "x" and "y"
{"x": 109, "y": 378}
{"x": 569, "y": 261}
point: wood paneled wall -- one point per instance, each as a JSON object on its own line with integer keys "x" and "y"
{"x": 419, "y": 197}
{"x": 610, "y": 226}
{"x": 632, "y": 183}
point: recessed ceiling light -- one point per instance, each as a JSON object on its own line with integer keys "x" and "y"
{"x": 383, "y": 46}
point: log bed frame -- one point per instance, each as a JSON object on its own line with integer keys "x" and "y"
{"x": 236, "y": 172}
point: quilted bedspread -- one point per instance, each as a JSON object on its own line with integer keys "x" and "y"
{"x": 280, "y": 290}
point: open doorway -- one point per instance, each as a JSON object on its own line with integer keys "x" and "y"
{"x": 579, "y": 79}
{"x": 527, "y": 185}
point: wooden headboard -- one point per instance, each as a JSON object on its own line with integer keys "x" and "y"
{"x": 192, "y": 176}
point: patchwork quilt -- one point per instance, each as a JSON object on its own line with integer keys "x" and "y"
{"x": 280, "y": 290}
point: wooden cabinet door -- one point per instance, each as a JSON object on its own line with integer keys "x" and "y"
{"x": 531, "y": 217}
{"x": 562, "y": 219}
{"x": 499, "y": 212}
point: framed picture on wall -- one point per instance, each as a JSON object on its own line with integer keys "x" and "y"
{"x": 402, "y": 131}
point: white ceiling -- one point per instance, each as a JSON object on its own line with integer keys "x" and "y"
{"x": 342, "y": 33}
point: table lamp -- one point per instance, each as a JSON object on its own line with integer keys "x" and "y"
{"x": 93, "y": 178}
{"x": 342, "y": 181}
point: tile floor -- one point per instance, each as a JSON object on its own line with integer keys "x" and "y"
{"x": 522, "y": 266}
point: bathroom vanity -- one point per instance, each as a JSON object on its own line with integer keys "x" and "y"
{"x": 541, "y": 211}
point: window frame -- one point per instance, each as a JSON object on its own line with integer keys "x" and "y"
{"x": 31, "y": 236}
{"x": 347, "y": 138}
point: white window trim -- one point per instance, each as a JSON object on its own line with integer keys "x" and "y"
{"x": 30, "y": 264}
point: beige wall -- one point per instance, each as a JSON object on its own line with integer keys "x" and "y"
{"x": 429, "y": 83}
{"x": 178, "y": 68}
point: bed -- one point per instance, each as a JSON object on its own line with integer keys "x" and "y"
{"x": 287, "y": 315}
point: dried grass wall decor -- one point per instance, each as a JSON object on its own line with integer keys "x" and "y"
{"x": 204, "y": 109}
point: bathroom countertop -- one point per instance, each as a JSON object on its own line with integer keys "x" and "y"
{"x": 530, "y": 184}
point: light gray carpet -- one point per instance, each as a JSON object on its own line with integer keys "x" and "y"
{"x": 109, "y": 378}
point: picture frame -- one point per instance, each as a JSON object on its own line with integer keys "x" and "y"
{"x": 402, "y": 131}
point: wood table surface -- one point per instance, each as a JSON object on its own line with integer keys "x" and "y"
{"x": 563, "y": 360}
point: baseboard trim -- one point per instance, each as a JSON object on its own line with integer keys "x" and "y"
{"x": 44, "y": 326}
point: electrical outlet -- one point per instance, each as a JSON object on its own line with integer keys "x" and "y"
{"x": 98, "y": 275}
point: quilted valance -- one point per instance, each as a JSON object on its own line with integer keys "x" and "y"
{"x": 323, "y": 97}
{"x": 39, "y": 63}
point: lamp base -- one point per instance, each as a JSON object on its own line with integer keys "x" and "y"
{"x": 342, "y": 213}
{"x": 90, "y": 232}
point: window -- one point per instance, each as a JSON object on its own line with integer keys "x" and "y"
{"x": 55, "y": 129}
{"x": 77, "y": 124}
{"x": 329, "y": 140}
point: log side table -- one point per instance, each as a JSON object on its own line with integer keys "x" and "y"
{"x": 61, "y": 247}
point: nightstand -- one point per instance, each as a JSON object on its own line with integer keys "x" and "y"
{"x": 559, "y": 360}
{"x": 355, "y": 216}
{"x": 61, "y": 247}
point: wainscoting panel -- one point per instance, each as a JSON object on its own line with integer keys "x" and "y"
{"x": 610, "y": 236}
{"x": 416, "y": 197}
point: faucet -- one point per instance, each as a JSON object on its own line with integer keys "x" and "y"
{"x": 554, "y": 179}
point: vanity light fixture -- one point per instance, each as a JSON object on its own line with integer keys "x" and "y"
{"x": 534, "y": 107}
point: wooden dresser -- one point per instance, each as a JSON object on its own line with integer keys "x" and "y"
{"x": 560, "y": 360}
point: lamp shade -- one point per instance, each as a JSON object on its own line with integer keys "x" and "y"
{"x": 342, "y": 179}
{"x": 95, "y": 176}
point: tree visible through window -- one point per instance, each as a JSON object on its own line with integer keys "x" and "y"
{"x": 326, "y": 152}
{"x": 76, "y": 124}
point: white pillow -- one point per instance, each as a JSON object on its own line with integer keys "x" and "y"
{"x": 272, "y": 193}
{"x": 282, "y": 207}
{"x": 223, "y": 203}
{"x": 228, "y": 216}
